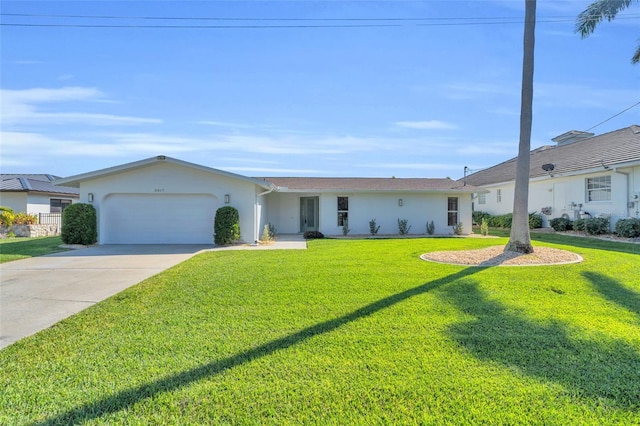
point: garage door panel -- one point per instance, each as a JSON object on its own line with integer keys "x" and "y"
{"x": 158, "y": 218}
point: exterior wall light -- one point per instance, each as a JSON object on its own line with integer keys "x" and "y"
{"x": 227, "y": 198}
{"x": 90, "y": 197}
{"x": 399, "y": 202}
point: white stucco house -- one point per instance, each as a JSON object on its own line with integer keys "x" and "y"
{"x": 582, "y": 175}
{"x": 35, "y": 193}
{"x": 165, "y": 200}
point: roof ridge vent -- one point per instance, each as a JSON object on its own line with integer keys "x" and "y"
{"x": 635, "y": 129}
{"x": 571, "y": 137}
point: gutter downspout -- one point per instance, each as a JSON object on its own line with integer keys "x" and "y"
{"x": 256, "y": 233}
{"x": 626, "y": 191}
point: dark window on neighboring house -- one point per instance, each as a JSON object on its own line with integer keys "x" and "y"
{"x": 482, "y": 198}
{"x": 599, "y": 188}
{"x": 57, "y": 205}
{"x": 499, "y": 195}
{"x": 343, "y": 210}
{"x": 452, "y": 211}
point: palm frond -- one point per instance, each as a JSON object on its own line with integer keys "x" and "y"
{"x": 596, "y": 12}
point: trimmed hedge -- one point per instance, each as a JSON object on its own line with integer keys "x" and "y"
{"x": 505, "y": 220}
{"x": 226, "y": 225}
{"x": 79, "y": 225}
{"x": 597, "y": 225}
{"x": 478, "y": 215}
{"x": 561, "y": 224}
{"x": 628, "y": 228}
{"x": 502, "y": 221}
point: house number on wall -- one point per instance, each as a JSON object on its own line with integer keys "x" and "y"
{"x": 158, "y": 190}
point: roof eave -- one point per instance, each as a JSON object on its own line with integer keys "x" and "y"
{"x": 74, "y": 181}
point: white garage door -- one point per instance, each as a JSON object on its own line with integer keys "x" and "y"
{"x": 158, "y": 219}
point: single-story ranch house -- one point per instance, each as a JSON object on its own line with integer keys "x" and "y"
{"x": 162, "y": 200}
{"x": 35, "y": 194}
{"x": 581, "y": 176}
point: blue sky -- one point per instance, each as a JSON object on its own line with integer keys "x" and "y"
{"x": 349, "y": 88}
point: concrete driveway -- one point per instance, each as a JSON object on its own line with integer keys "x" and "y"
{"x": 36, "y": 293}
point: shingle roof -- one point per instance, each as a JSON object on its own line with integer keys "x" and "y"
{"x": 609, "y": 149}
{"x": 323, "y": 184}
{"x": 34, "y": 183}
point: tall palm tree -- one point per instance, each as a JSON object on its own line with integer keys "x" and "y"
{"x": 520, "y": 240}
{"x": 598, "y": 11}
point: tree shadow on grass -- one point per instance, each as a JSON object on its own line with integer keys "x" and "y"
{"x": 615, "y": 292}
{"x": 608, "y": 371}
{"x": 130, "y": 397}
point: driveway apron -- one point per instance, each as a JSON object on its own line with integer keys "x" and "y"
{"x": 36, "y": 293}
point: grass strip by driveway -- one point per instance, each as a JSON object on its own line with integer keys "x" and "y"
{"x": 22, "y": 248}
{"x": 349, "y": 332}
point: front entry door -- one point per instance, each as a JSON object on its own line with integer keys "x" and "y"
{"x": 308, "y": 214}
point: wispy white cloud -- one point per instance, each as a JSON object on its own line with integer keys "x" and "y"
{"x": 426, "y": 125}
{"x": 224, "y": 124}
{"x": 41, "y": 95}
{"x": 23, "y": 107}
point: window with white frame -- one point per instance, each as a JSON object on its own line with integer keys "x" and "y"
{"x": 482, "y": 198}
{"x": 57, "y": 205}
{"x": 499, "y": 195}
{"x": 343, "y": 210}
{"x": 599, "y": 188}
{"x": 452, "y": 211}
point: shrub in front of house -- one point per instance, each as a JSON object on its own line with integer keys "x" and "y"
{"x": 373, "y": 227}
{"x": 628, "y": 228}
{"x": 403, "y": 226}
{"x": 310, "y": 235}
{"x": 484, "y": 227}
{"x": 561, "y": 224}
{"x": 597, "y": 225}
{"x": 458, "y": 229}
{"x": 580, "y": 224}
{"x": 535, "y": 220}
{"x": 478, "y": 215}
{"x": 6, "y": 216}
{"x": 269, "y": 232}
{"x": 79, "y": 225}
{"x": 226, "y": 225}
{"x": 23, "y": 218}
{"x": 431, "y": 228}
{"x": 502, "y": 221}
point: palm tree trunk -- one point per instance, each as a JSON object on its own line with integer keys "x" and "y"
{"x": 520, "y": 240}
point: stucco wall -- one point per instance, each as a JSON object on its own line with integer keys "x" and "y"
{"x": 17, "y": 201}
{"x": 284, "y": 212}
{"x": 39, "y": 203}
{"x": 559, "y": 192}
{"x": 169, "y": 178}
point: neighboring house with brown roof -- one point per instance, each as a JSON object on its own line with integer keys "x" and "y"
{"x": 166, "y": 200}
{"x": 583, "y": 175}
{"x": 35, "y": 193}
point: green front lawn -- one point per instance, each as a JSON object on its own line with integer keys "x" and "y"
{"x": 346, "y": 332}
{"x": 21, "y": 248}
